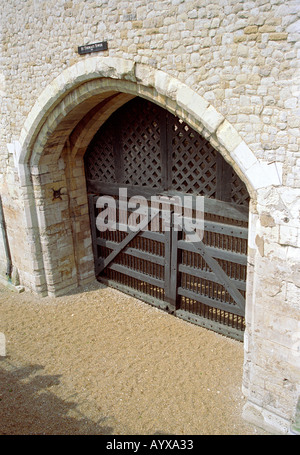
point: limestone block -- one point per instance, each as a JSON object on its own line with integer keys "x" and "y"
{"x": 251, "y": 29}
{"x": 262, "y": 174}
{"x": 228, "y": 136}
{"x": 118, "y": 68}
{"x": 243, "y": 156}
{"x": 190, "y": 101}
{"x": 145, "y": 75}
{"x": 291, "y": 198}
{"x": 278, "y": 36}
{"x": 288, "y": 235}
{"x": 211, "y": 119}
{"x": 242, "y": 51}
{"x": 166, "y": 85}
{"x": 185, "y": 96}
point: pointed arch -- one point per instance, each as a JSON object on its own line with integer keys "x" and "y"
{"x": 66, "y": 116}
{"x": 95, "y": 79}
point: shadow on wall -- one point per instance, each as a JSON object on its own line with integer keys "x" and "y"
{"x": 28, "y": 408}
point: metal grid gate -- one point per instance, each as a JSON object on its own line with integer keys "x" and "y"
{"x": 148, "y": 151}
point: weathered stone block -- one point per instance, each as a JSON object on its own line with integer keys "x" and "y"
{"x": 243, "y": 156}
{"x": 278, "y": 36}
{"x": 211, "y": 119}
{"x": 187, "y": 99}
{"x": 228, "y": 136}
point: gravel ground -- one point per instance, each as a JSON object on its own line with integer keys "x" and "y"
{"x": 100, "y": 362}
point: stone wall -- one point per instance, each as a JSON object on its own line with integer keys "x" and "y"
{"x": 241, "y": 56}
{"x": 230, "y": 69}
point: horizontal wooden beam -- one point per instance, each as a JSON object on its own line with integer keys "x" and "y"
{"x": 154, "y": 258}
{"x": 211, "y": 302}
{"x": 218, "y": 327}
{"x": 210, "y": 276}
{"x": 138, "y": 275}
{"x": 231, "y": 256}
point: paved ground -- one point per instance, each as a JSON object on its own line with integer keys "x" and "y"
{"x": 100, "y": 362}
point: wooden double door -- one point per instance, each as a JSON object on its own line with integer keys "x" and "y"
{"x": 169, "y": 217}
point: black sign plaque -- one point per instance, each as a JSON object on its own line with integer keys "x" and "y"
{"x": 89, "y": 48}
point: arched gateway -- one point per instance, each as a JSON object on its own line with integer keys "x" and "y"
{"x": 145, "y": 158}
{"x": 183, "y": 145}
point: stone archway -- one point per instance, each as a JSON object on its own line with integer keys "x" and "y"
{"x": 65, "y": 118}
{"x": 50, "y": 164}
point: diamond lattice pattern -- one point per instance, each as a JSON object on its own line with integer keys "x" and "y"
{"x": 193, "y": 161}
{"x": 137, "y": 128}
{"x": 99, "y": 159}
{"x": 141, "y": 145}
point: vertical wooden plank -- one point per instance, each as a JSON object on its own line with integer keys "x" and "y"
{"x": 164, "y": 149}
{"x": 167, "y": 267}
{"x": 92, "y": 208}
{"x": 224, "y": 178}
{"x": 174, "y": 272}
{"x": 118, "y": 149}
{"x": 169, "y": 140}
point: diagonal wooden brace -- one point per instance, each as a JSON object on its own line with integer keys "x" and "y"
{"x": 225, "y": 281}
{"x": 103, "y": 263}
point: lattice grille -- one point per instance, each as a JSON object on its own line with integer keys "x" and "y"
{"x": 141, "y": 145}
{"x": 134, "y": 138}
{"x": 239, "y": 193}
{"x": 99, "y": 159}
{"x": 193, "y": 161}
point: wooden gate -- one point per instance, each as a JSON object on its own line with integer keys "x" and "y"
{"x": 154, "y": 157}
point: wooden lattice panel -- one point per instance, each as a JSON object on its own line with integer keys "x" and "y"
{"x": 193, "y": 161}
{"x": 99, "y": 159}
{"x": 141, "y": 145}
{"x": 239, "y": 193}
